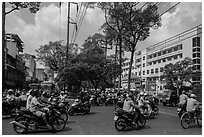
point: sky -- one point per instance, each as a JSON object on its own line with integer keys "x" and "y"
{"x": 49, "y": 25}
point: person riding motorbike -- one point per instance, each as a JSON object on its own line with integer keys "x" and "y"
{"x": 149, "y": 109}
{"x": 44, "y": 98}
{"x": 183, "y": 100}
{"x": 10, "y": 96}
{"x": 37, "y": 108}
{"x": 192, "y": 104}
{"x": 129, "y": 106}
{"x": 9, "y": 100}
{"x": 30, "y": 97}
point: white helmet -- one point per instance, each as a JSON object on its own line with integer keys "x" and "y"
{"x": 145, "y": 94}
{"x": 141, "y": 93}
{"x": 193, "y": 96}
{"x": 77, "y": 100}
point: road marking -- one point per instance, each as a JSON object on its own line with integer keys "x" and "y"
{"x": 168, "y": 113}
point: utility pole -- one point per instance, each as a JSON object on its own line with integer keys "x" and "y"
{"x": 67, "y": 55}
{"x": 3, "y": 45}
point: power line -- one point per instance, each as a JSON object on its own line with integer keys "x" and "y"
{"x": 170, "y": 8}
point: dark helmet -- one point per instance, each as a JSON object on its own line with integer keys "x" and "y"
{"x": 10, "y": 91}
{"x": 35, "y": 92}
{"x": 130, "y": 95}
{"x": 44, "y": 94}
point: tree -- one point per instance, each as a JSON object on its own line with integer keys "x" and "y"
{"x": 177, "y": 74}
{"x": 131, "y": 25}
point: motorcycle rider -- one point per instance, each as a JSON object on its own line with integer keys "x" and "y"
{"x": 183, "y": 100}
{"x": 10, "y": 96}
{"x": 44, "y": 97}
{"x": 30, "y": 97}
{"x": 192, "y": 104}
{"x": 129, "y": 106}
{"x": 37, "y": 108}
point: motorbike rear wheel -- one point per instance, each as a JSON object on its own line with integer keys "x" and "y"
{"x": 18, "y": 129}
{"x": 199, "y": 119}
{"x": 156, "y": 110}
{"x": 58, "y": 124}
{"x": 120, "y": 124}
{"x": 141, "y": 121}
{"x": 185, "y": 120}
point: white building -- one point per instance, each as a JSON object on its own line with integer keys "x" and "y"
{"x": 148, "y": 63}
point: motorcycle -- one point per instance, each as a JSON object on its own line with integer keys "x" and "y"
{"x": 62, "y": 107}
{"x": 82, "y": 108}
{"x": 10, "y": 108}
{"x": 144, "y": 110}
{"x": 26, "y": 121}
{"x": 123, "y": 120}
{"x": 181, "y": 110}
{"x": 154, "y": 107}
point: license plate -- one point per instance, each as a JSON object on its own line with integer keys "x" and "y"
{"x": 115, "y": 118}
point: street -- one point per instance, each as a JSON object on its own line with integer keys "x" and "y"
{"x": 100, "y": 122}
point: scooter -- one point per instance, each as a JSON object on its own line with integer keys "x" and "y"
{"x": 123, "y": 120}
{"x": 80, "y": 108}
{"x": 26, "y": 121}
{"x": 145, "y": 110}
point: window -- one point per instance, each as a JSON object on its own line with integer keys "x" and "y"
{"x": 196, "y": 55}
{"x": 147, "y": 71}
{"x": 170, "y": 50}
{"x": 152, "y": 71}
{"x": 196, "y": 61}
{"x": 139, "y": 73}
{"x": 143, "y": 57}
{"x": 196, "y": 49}
{"x": 176, "y": 48}
{"x": 180, "y": 55}
{"x": 180, "y": 47}
{"x": 164, "y": 59}
{"x": 160, "y": 87}
{"x": 164, "y": 52}
{"x": 154, "y": 62}
{"x": 143, "y": 64}
{"x": 156, "y": 70}
{"x": 155, "y": 55}
{"x": 169, "y": 58}
{"x": 159, "y": 54}
{"x": 196, "y": 67}
{"x": 135, "y": 73}
{"x": 143, "y": 72}
{"x": 159, "y": 61}
{"x": 196, "y": 42}
{"x": 150, "y": 63}
{"x": 161, "y": 69}
{"x": 175, "y": 57}
{"x": 150, "y": 56}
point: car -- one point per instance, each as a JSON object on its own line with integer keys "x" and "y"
{"x": 169, "y": 97}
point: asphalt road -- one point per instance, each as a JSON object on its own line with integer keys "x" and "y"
{"x": 100, "y": 122}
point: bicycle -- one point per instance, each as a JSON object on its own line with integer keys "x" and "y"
{"x": 189, "y": 118}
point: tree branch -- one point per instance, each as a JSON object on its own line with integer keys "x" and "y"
{"x": 12, "y": 10}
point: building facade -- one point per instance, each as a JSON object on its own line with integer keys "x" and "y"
{"x": 30, "y": 64}
{"x": 14, "y": 63}
{"x": 149, "y": 63}
{"x": 41, "y": 75}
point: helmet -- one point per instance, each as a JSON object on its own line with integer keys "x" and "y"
{"x": 77, "y": 100}
{"x": 35, "y": 92}
{"x": 10, "y": 91}
{"x": 183, "y": 91}
{"x": 130, "y": 95}
{"x": 62, "y": 92}
{"x": 142, "y": 93}
{"x": 193, "y": 96}
{"x": 44, "y": 94}
{"x": 145, "y": 94}
{"x": 61, "y": 104}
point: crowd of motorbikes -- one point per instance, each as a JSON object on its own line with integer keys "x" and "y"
{"x": 60, "y": 110}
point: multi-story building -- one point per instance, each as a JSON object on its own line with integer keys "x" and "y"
{"x": 30, "y": 63}
{"x": 149, "y": 63}
{"x": 14, "y": 63}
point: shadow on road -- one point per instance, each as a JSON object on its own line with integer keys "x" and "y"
{"x": 136, "y": 128}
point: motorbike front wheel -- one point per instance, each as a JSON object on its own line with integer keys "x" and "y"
{"x": 19, "y": 129}
{"x": 141, "y": 121}
{"x": 64, "y": 116}
{"x": 156, "y": 110}
{"x": 58, "y": 124}
{"x": 120, "y": 124}
{"x": 185, "y": 120}
{"x": 71, "y": 112}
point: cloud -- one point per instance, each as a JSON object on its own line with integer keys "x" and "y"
{"x": 185, "y": 16}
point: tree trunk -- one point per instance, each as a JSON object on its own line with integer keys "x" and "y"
{"x": 120, "y": 60}
{"x": 3, "y": 46}
{"x": 130, "y": 69}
